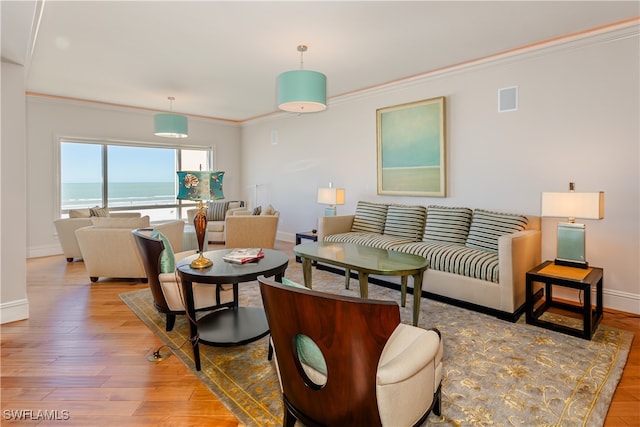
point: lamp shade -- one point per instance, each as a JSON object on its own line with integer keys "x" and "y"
{"x": 171, "y": 126}
{"x": 331, "y": 196}
{"x": 573, "y": 205}
{"x": 199, "y": 185}
{"x": 302, "y": 91}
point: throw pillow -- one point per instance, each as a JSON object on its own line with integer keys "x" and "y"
{"x": 79, "y": 213}
{"x": 256, "y": 211}
{"x": 101, "y": 212}
{"x": 370, "y": 217}
{"x": 447, "y": 224}
{"x": 405, "y": 221}
{"x": 487, "y": 226}
{"x": 216, "y": 211}
{"x": 167, "y": 257}
{"x": 269, "y": 210}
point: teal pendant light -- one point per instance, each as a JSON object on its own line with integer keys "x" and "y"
{"x": 170, "y": 125}
{"x": 302, "y": 91}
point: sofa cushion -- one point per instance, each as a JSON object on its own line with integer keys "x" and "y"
{"x": 487, "y": 226}
{"x": 405, "y": 221}
{"x": 370, "y": 217}
{"x": 167, "y": 257}
{"x": 112, "y": 222}
{"x": 216, "y": 211}
{"x": 457, "y": 259}
{"x": 374, "y": 240}
{"x": 447, "y": 224}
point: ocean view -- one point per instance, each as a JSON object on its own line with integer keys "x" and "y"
{"x": 121, "y": 194}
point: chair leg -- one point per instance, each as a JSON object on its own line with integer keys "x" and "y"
{"x": 437, "y": 404}
{"x": 270, "y": 353}
{"x": 289, "y": 419}
{"x": 171, "y": 320}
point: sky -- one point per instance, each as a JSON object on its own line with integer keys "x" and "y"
{"x": 82, "y": 163}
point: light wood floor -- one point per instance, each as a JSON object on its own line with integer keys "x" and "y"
{"x": 83, "y": 351}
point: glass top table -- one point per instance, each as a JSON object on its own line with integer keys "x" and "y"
{"x": 366, "y": 260}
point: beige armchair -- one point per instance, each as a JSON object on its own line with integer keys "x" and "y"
{"x": 109, "y": 249}
{"x": 377, "y": 371}
{"x": 66, "y": 230}
{"x": 216, "y": 219}
{"x": 166, "y": 288}
{"x": 251, "y": 231}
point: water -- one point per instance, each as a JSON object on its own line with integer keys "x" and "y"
{"x": 121, "y": 194}
{"x": 128, "y": 195}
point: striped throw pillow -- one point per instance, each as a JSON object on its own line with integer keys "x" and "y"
{"x": 487, "y": 226}
{"x": 405, "y": 221}
{"x": 216, "y": 211}
{"x": 448, "y": 224}
{"x": 370, "y": 217}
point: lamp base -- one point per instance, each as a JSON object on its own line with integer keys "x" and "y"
{"x": 330, "y": 211}
{"x": 201, "y": 262}
{"x": 574, "y": 264}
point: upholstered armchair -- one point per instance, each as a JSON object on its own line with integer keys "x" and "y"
{"x": 66, "y": 230}
{"x": 347, "y": 361}
{"x": 165, "y": 283}
{"x": 251, "y": 231}
{"x": 109, "y": 249}
{"x": 216, "y": 213}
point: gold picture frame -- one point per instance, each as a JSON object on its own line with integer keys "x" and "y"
{"x": 411, "y": 149}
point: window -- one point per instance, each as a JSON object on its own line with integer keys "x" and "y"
{"x": 123, "y": 177}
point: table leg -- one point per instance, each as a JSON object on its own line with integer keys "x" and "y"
{"x": 347, "y": 277}
{"x": 587, "y": 314}
{"x": 187, "y": 291}
{"x": 417, "y": 296}
{"x": 403, "y": 290}
{"x": 306, "y": 272}
{"x": 364, "y": 284}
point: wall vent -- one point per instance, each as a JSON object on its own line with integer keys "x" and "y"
{"x": 508, "y": 99}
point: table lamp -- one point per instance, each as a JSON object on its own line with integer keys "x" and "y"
{"x": 332, "y": 197}
{"x": 571, "y": 235}
{"x": 200, "y": 185}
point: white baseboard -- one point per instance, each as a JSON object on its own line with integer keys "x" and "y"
{"x": 14, "y": 310}
{"x": 616, "y": 300}
{"x": 44, "y": 250}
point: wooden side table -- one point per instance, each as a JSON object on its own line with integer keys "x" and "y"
{"x": 307, "y": 235}
{"x": 576, "y": 278}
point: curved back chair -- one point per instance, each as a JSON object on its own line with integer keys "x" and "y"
{"x": 166, "y": 287}
{"x": 346, "y": 361}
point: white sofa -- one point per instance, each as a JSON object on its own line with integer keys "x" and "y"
{"x": 66, "y": 230}
{"x": 216, "y": 214}
{"x": 478, "y": 259}
{"x": 109, "y": 248}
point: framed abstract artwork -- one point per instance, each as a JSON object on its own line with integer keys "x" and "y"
{"x": 411, "y": 149}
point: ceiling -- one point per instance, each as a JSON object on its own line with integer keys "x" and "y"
{"x": 221, "y": 59}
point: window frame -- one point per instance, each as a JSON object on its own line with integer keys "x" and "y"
{"x": 179, "y": 205}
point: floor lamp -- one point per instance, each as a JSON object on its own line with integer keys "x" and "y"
{"x": 200, "y": 185}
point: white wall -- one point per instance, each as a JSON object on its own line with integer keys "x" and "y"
{"x": 578, "y": 120}
{"x": 13, "y": 200}
{"x": 50, "y": 119}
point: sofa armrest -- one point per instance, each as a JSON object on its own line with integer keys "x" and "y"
{"x": 251, "y": 231}
{"x": 66, "y": 230}
{"x": 334, "y": 224}
{"x": 517, "y": 253}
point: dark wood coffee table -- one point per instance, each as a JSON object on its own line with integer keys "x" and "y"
{"x": 235, "y": 325}
{"x": 366, "y": 260}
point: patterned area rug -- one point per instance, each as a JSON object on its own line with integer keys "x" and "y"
{"x": 496, "y": 373}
